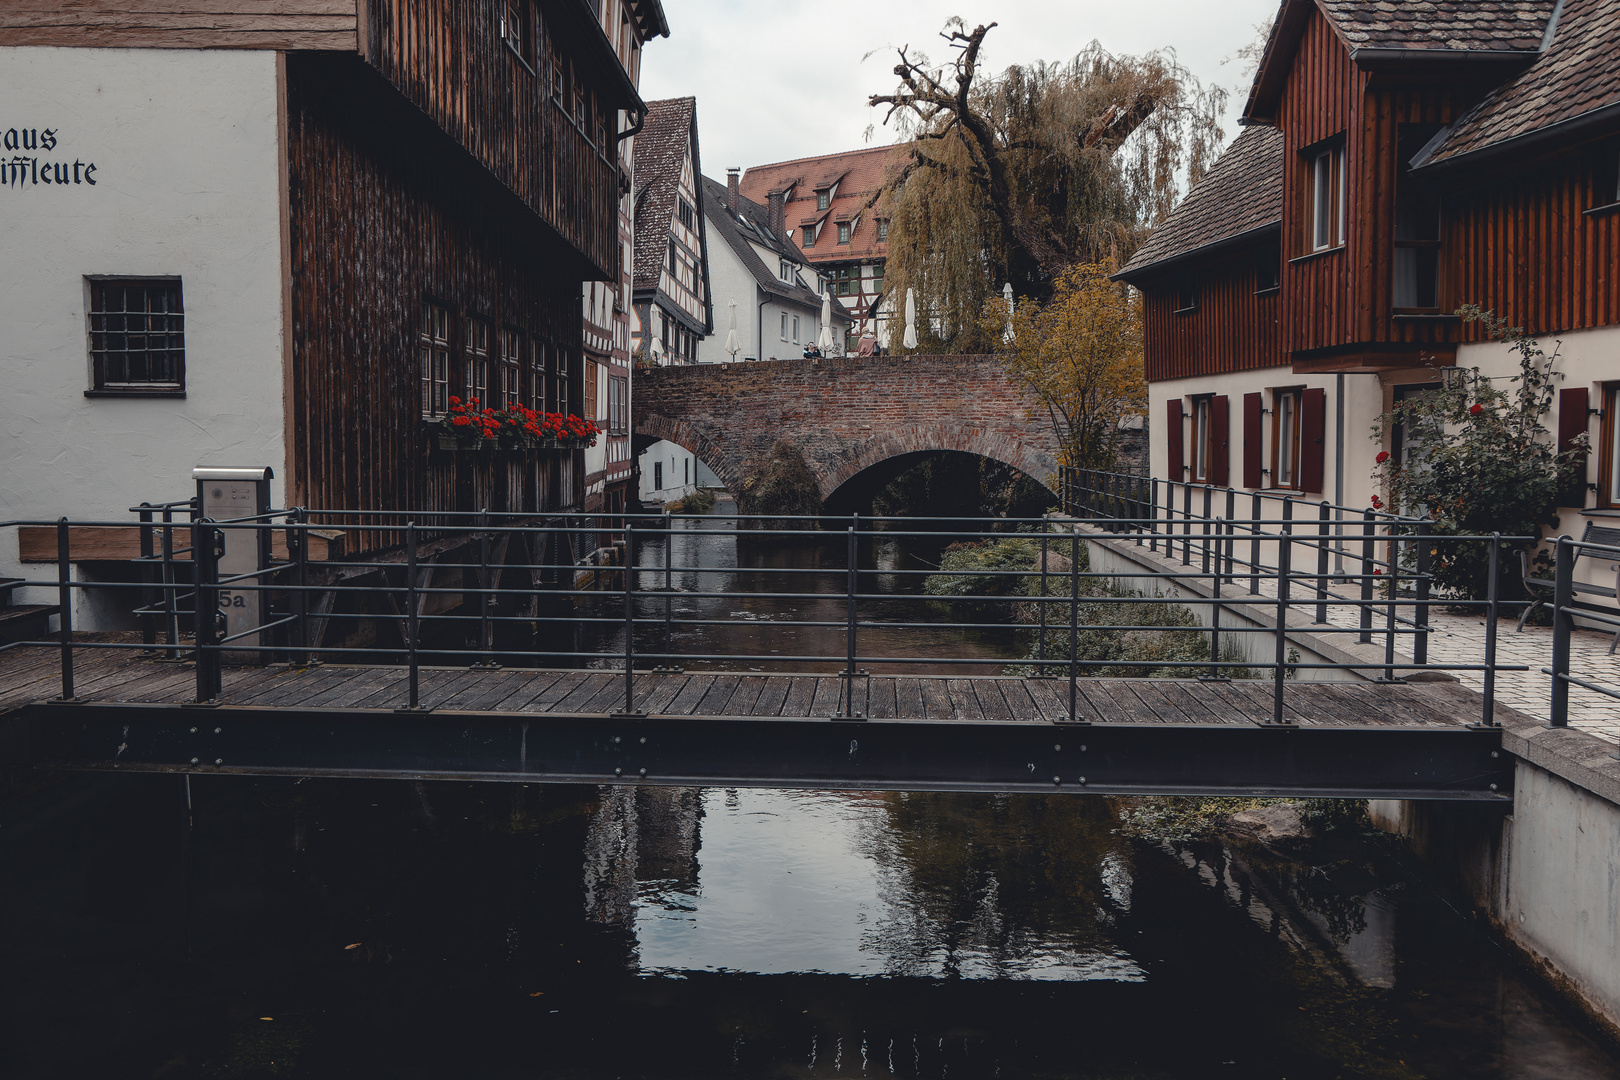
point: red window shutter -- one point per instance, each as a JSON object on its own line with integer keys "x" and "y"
{"x": 1177, "y": 461}
{"x": 1313, "y": 438}
{"x": 1572, "y": 424}
{"x": 1252, "y": 448}
{"x": 1220, "y": 437}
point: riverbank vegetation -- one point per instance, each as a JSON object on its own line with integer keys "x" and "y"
{"x": 700, "y": 501}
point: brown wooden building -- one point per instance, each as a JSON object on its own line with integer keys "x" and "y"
{"x": 1398, "y": 161}
{"x": 447, "y": 174}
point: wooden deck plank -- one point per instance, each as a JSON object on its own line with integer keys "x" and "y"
{"x": 936, "y": 699}
{"x": 908, "y": 700}
{"x": 718, "y": 696}
{"x": 609, "y": 699}
{"x": 487, "y": 689}
{"x": 1193, "y": 704}
{"x": 298, "y": 686}
{"x": 1015, "y": 692}
{"x": 992, "y": 701}
{"x": 692, "y": 693}
{"x": 744, "y": 701}
{"x": 829, "y": 697}
{"x": 964, "y": 702}
{"x": 547, "y": 698}
{"x": 655, "y": 692}
{"x": 799, "y": 696}
{"x": 880, "y": 697}
{"x": 527, "y": 690}
{"x": 589, "y": 687}
{"x": 1168, "y": 709}
{"x": 387, "y": 688}
{"x": 1051, "y": 698}
{"x": 772, "y": 697}
{"x": 1115, "y": 704}
{"x": 1243, "y": 700}
{"x": 360, "y": 684}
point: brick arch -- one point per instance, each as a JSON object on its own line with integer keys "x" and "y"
{"x": 1040, "y": 465}
{"x": 845, "y": 414}
{"x": 694, "y": 439}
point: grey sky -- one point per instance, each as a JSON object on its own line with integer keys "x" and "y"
{"x": 785, "y": 79}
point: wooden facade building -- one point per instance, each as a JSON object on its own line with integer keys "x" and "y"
{"x": 1397, "y": 162}
{"x": 443, "y": 177}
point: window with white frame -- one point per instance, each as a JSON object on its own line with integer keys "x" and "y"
{"x": 511, "y": 367}
{"x": 808, "y": 237}
{"x": 843, "y": 232}
{"x": 795, "y": 329}
{"x": 475, "y": 369}
{"x": 784, "y": 326}
{"x": 433, "y": 358}
{"x": 1285, "y": 438}
{"x": 822, "y": 199}
{"x": 1324, "y": 196}
{"x": 1202, "y": 438}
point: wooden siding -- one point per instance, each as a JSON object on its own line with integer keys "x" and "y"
{"x": 377, "y": 230}
{"x": 1233, "y": 329}
{"x": 447, "y": 57}
{"x": 181, "y": 24}
{"x": 1523, "y": 246}
{"x": 1320, "y": 100}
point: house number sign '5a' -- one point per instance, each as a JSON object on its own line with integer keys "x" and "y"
{"x": 23, "y": 166}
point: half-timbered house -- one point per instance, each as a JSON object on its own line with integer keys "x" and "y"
{"x": 1398, "y": 161}
{"x": 291, "y": 237}
{"x": 674, "y": 310}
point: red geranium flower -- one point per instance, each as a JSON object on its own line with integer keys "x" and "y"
{"x": 1475, "y": 409}
{"x": 1383, "y": 456}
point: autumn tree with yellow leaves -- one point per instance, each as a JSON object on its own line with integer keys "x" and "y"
{"x": 1080, "y": 354}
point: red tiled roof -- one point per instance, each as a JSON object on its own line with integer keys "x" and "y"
{"x": 1241, "y": 192}
{"x": 859, "y": 175}
{"x": 660, "y": 150}
{"x": 1579, "y": 73}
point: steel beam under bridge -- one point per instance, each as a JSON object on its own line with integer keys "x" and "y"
{"x": 890, "y": 755}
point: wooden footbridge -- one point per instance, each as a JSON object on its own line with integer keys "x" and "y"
{"x": 262, "y": 701}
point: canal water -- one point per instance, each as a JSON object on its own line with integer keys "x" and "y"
{"x": 240, "y": 927}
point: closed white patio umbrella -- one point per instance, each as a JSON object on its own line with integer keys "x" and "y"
{"x": 824, "y": 338}
{"x": 910, "y": 340}
{"x": 732, "y": 346}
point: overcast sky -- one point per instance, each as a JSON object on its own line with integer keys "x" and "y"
{"x": 781, "y": 79}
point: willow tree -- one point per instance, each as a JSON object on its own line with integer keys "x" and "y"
{"x": 1014, "y": 177}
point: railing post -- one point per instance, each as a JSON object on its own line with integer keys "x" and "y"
{"x": 1186, "y": 524}
{"x": 1231, "y": 515}
{"x": 1392, "y": 582}
{"x": 1285, "y": 547}
{"x": 148, "y": 599}
{"x": 486, "y": 599}
{"x": 1368, "y": 531}
{"x": 629, "y": 620}
{"x": 1040, "y": 646}
{"x": 1153, "y": 515}
{"x": 1221, "y": 526}
{"x": 1492, "y": 610}
{"x": 850, "y": 712}
{"x": 1256, "y": 508}
{"x": 1322, "y": 532}
{"x": 1420, "y": 640}
{"x": 1563, "y": 623}
{"x": 205, "y": 541}
{"x": 1074, "y": 625}
{"x": 411, "y": 617}
{"x": 298, "y": 548}
{"x": 668, "y": 664}
{"x": 64, "y": 600}
{"x": 171, "y": 605}
{"x": 1208, "y": 507}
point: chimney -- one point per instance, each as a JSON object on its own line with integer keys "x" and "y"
{"x": 733, "y": 177}
{"x": 776, "y": 213}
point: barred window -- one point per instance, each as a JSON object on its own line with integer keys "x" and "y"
{"x": 433, "y": 353}
{"x": 137, "y": 336}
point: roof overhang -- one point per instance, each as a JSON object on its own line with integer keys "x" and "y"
{"x": 649, "y": 18}
{"x": 1371, "y": 357}
{"x": 1213, "y": 250}
{"x": 1594, "y": 123}
{"x": 577, "y": 16}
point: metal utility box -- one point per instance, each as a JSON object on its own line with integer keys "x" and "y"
{"x": 224, "y": 495}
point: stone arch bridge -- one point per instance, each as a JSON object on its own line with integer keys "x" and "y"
{"x": 846, "y": 415}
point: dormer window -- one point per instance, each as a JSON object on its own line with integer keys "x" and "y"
{"x": 785, "y": 270}
{"x": 1324, "y": 196}
{"x": 843, "y": 232}
{"x": 809, "y": 238}
{"x": 823, "y": 199}
{"x": 883, "y": 229}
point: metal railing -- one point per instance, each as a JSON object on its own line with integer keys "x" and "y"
{"x": 1565, "y": 609}
{"x": 493, "y": 589}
